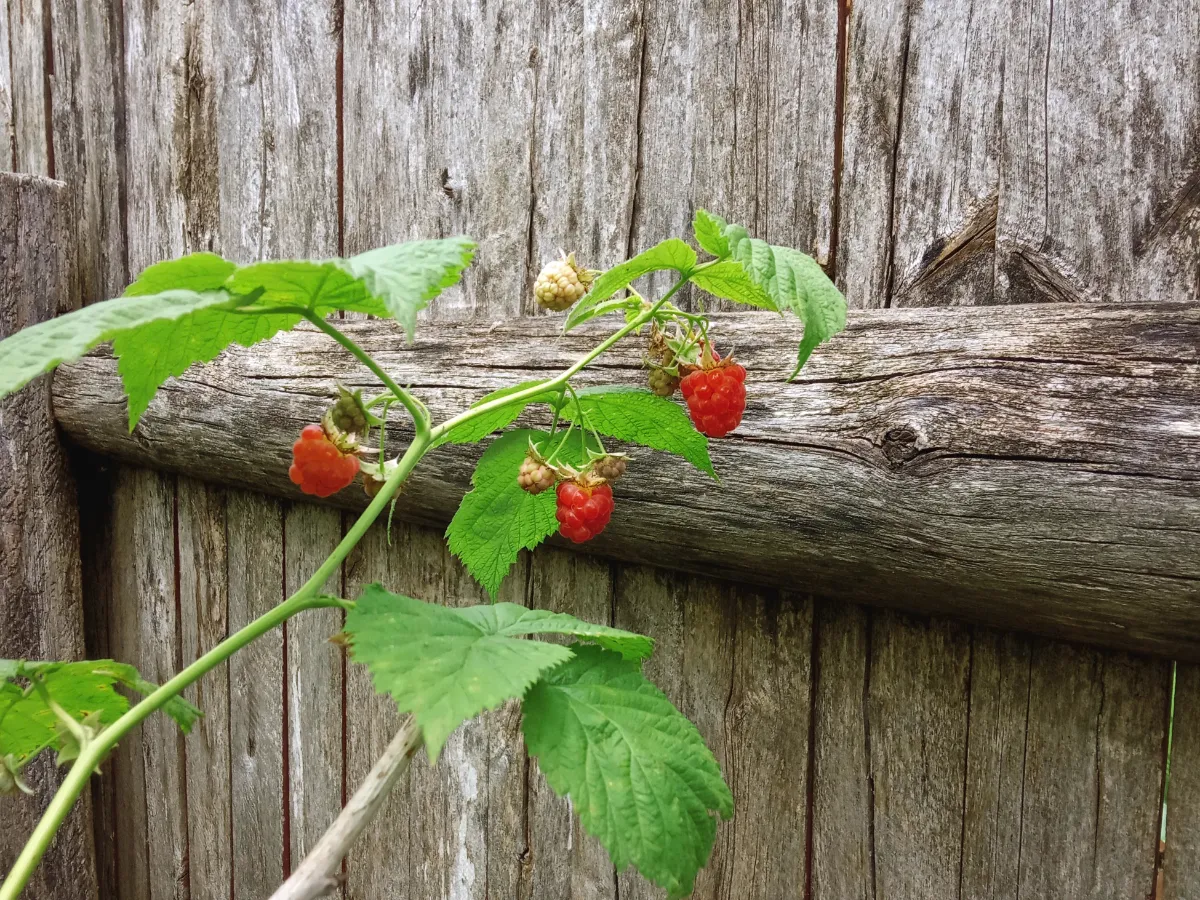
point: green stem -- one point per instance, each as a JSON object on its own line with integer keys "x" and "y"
{"x": 307, "y": 597}
{"x": 563, "y": 377}
{"x": 414, "y": 406}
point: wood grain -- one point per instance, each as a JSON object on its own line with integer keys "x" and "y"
{"x": 31, "y": 142}
{"x": 1181, "y": 864}
{"x": 256, "y": 714}
{"x": 314, "y": 682}
{"x": 204, "y": 621}
{"x": 1114, "y": 93}
{"x": 1022, "y": 467}
{"x": 41, "y": 594}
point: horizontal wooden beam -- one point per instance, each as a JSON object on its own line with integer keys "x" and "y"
{"x": 1035, "y": 467}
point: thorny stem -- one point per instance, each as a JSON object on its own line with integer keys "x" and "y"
{"x": 307, "y": 597}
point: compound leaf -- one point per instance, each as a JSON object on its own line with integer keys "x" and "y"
{"x": 39, "y": 348}
{"x": 730, "y": 280}
{"x": 710, "y": 233}
{"x": 636, "y": 415}
{"x": 670, "y": 254}
{"x": 794, "y": 281}
{"x": 447, "y": 665}
{"x": 497, "y": 520}
{"x": 407, "y": 276}
{"x": 84, "y": 690}
{"x": 636, "y": 770}
{"x": 320, "y": 286}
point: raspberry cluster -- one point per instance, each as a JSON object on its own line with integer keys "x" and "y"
{"x": 318, "y": 466}
{"x": 610, "y": 467}
{"x": 716, "y": 397}
{"x": 583, "y": 510}
{"x": 662, "y": 382}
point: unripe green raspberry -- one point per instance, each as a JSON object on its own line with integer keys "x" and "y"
{"x": 561, "y": 283}
{"x": 662, "y": 382}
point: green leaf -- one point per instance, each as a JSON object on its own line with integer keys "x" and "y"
{"x": 194, "y": 272}
{"x": 637, "y": 771}
{"x": 710, "y": 233}
{"x": 477, "y": 429}
{"x": 407, "y": 276}
{"x": 730, "y": 280}
{"x": 636, "y": 415}
{"x": 178, "y": 708}
{"x": 497, "y": 520}
{"x": 794, "y": 281}
{"x": 159, "y": 350}
{"x": 39, "y": 348}
{"x": 447, "y": 665}
{"x": 670, "y": 254}
{"x": 320, "y": 286}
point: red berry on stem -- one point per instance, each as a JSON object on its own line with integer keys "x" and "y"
{"x": 318, "y": 466}
{"x": 716, "y": 398}
{"x": 583, "y": 510}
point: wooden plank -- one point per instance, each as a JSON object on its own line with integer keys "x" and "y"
{"x": 1181, "y": 864}
{"x": 917, "y": 698}
{"x": 31, "y": 137}
{"x": 1093, "y": 773}
{"x": 449, "y": 131}
{"x": 314, "y": 683}
{"x": 204, "y": 621}
{"x": 7, "y": 148}
{"x": 922, "y": 136}
{"x": 995, "y": 776}
{"x": 964, "y": 483}
{"x": 1112, "y": 92}
{"x": 843, "y": 804}
{"x": 585, "y": 162}
{"x": 737, "y": 114}
{"x": 765, "y": 725}
{"x": 563, "y": 860}
{"x": 256, "y": 728}
{"x": 41, "y": 593}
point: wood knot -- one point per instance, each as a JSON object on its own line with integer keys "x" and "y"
{"x": 900, "y": 444}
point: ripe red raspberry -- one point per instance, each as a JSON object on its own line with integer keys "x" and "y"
{"x": 535, "y": 476}
{"x": 318, "y": 466}
{"x": 716, "y": 398}
{"x": 583, "y": 510}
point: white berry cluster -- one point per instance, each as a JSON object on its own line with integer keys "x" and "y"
{"x": 561, "y": 283}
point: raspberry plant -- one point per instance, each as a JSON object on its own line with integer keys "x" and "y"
{"x": 637, "y": 771}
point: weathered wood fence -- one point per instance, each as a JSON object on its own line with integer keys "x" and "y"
{"x": 968, "y": 153}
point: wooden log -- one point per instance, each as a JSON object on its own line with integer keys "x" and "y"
{"x": 1029, "y": 467}
{"x": 41, "y": 612}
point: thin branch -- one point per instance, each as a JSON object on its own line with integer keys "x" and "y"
{"x": 317, "y": 876}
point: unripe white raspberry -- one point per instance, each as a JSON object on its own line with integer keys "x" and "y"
{"x": 561, "y": 283}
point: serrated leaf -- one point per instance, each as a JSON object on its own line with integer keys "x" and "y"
{"x": 477, "y": 429}
{"x": 194, "y": 272}
{"x": 637, "y": 771}
{"x": 320, "y": 286}
{"x": 636, "y": 415}
{"x": 670, "y": 254}
{"x": 39, "y": 348}
{"x": 497, "y": 520}
{"x": 407, "y": 276}
{"x": 446, "y": 666}
{"x": 730, "y": 281}
{"x": 156, "y": 351}
{"x": 794, "y": 281}
{"x": 710, "y": 233}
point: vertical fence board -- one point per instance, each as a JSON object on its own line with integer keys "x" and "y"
{"x": 1181, "y": 867}
{"x": 1093, "y": 773}
{"x": 204, "y": 620}
{"x": 438, "y": 137}
{"x": 1113, "y": 91}
{"x": 255, "y": 686}
{"x": 564, "y": 861}
{"x": 314, "y": 682}
{"x": 41, "y": 614}
{"x": 27, "y": 58}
